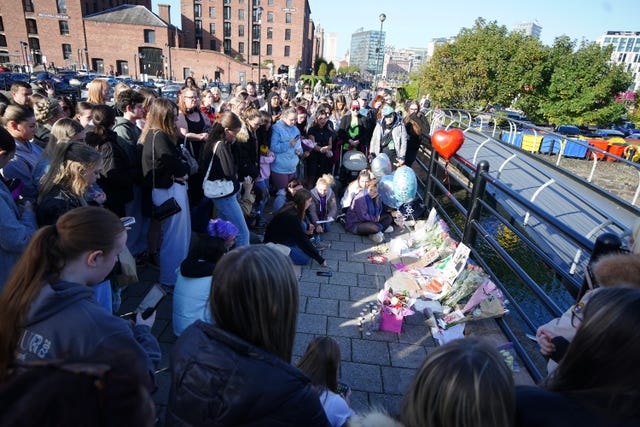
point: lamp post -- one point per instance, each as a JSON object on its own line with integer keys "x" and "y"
{"x": 382, "y": 17}
{"x": 258, "y": 20}
{"x": 25, "y": 55}
{"x": 170, "y": 69}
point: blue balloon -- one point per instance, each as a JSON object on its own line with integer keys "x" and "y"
{"x": 381, "y": 165}
{"x": 385, "y": 190}
{"x": 405, "y": 184}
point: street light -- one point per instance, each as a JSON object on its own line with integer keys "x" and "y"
{"x": 258, "y": 20}
{"x": 170, "y": 69}
{"x": 382, "y": 17}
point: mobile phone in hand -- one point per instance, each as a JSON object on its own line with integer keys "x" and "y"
{"x": 151, "y": 301}
{"x": 129, "y": 221}
{"x": 343, "y": 389}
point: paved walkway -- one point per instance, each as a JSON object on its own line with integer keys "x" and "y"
{"x": 378, "y": 366}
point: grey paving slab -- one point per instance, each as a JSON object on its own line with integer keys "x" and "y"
{"x": 350, "y": 309}
{"x": 311, "y": 289}
{"x": 300, "y": 344}
{"x": 397, "y": 380}
{"x": 369, "y": 281}
{"x": 343, "y": 278}
{"x": 407, "y": 355}
{"x": 363, "y": 377}
{"x": 337, "y": 292}
{"x": 312, "y": 323}
{"x": 368, "y": 351}
{"x": 350, "y": 267}
{"x": 343, "y": 327}
{"x": 334, "y": 255}
{"x": 384, "y": 270}
{"x": 327, "y": 307}
{"x": 362, "y": 294}
{"x": 343, "y": 246}
{"x": 390, "y": 403}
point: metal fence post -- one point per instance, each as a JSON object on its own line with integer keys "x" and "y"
{"x": 479, "y": 185}
{"x": 430, "y": 184}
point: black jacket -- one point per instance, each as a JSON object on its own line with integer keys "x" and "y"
{"x": 219, "y": 379}
{"x": 168, "y": 160}
{"x": 285, "y": 228}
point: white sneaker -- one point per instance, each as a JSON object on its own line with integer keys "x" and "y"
{"x": 389, "y": 229}
{"x": 377, "y": 237}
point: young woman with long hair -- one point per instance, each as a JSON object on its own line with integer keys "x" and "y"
{"x": 166, "y": 173}
{"x": 366, "y": 215}
{"x": 224, "y": 165}
{"x": 48, "y": 306}
{"x": 238, "y": 371}
{"x": 465, "y": 383}
{"x": 596, "y": 383}
{"x": 321, "y": 363}
{"x": 286, "y": 228}
{"x": 18, "y": 224}
{"x": 98, "y": 91}
{"x": 21, "y": 124}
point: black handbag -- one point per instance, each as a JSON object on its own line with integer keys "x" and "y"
{"x": 170, "y": 206}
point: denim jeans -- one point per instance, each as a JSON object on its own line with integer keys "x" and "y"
{"x": 263, "y": 188}
{"x": 137, "y": 233}
{"x": 297, "y": 255}
{"x": 229, "y": 209}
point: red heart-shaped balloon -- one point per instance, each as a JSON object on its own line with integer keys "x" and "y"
{"x": 447, "y": 142}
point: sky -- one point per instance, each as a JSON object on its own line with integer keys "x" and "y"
{"x": 414, "y": 23}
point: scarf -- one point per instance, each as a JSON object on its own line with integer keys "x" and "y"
{"x": 374, "y": 209}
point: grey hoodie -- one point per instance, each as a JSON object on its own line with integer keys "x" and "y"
{"x": 65, "y": 322}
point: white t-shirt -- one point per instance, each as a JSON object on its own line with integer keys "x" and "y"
{"x": 335, "y": 407}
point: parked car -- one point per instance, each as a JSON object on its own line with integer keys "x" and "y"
{"x": 568, "y": 130}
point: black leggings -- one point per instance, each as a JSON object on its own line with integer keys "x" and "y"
{"x": 368, "y": 228}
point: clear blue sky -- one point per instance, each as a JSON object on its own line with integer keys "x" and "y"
{"x": 413, "y": 23}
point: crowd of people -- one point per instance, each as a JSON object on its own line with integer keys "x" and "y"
{"x": 193, "y": 180}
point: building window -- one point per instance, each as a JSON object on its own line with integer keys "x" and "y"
{"x": 213, "y": 45}
{"x": 64, "y": 28}
{"x": 227, "y": 1}
{"x": 241, "y": 14}
{"x": 287, "y": 34}
{"x": 4, "y": 57}
{"x": 270, "y": 2}
{"x": 269, "y": 49}
{"x": 1, "y": 24}
{"x": 32, "y": 27}
{"x": 212, "y": 28}
{"x": 269, "y": 16}
{"x": 255, "y": 48}
{"x": 34, "y": 44}
{"x": 227, "y": 29}
{"x": 28, "y": 5}
{"x": 227, "y": 12}
{"x": 240, "y": 30}
{"x": 227, "y": 47}
{"x": 62, "y": 6}
{"x": 149, "y": 36}
{"x": 212, "y": 12}
{"x": 255, "y": 31}
{"x": 241, "y": 48}
{"x": 198, "y": 28}
{"x": 66, "y": 51}
{"x": 3, "y": 40}
{"x": 240, "y": 1}
{"x": 287, "y": 51}
{"x": 289, "y": 3}
{"x": 287, "y": 18}
{"x": 197, "y": 10}
{"x": 269, "y": 32}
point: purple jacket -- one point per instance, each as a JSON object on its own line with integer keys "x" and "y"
{"x": 358, "y": 213}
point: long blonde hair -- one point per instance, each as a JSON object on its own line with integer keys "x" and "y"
{"x": 69, "y": 163}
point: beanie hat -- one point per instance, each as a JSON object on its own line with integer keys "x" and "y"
{"x": 222, "y": 229}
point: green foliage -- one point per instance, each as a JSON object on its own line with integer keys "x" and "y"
{"x": 487, "y": 65}
{"x": 322, "y": 70}
{"x": 345, "y": 71}
{"x": 332, "y": 74}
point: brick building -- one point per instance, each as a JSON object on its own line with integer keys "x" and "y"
{"x": 277, "y": 32}
{"x": 48, "y": 31}
{"x": 128, "y": 39}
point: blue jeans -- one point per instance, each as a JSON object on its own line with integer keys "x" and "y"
{"x": 229, "y": 209}
{"x": 263, "y": 188}
{"x": 298, "y": 257}
{"x": 137, "y": 234}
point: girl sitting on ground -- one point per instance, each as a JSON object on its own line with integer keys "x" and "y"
{"x": 193, "y": 285}
{"x": 286, "y": 228}
{"x": 366, "y": 217}
{"x": 321, "y": 363}
{"x": 324, "y": 205}
{"x": 354, "y": 188}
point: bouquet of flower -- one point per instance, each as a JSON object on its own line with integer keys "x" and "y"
{"x": 398, "y": 303}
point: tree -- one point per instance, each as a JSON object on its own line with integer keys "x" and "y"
{"x": 322, "y": 70}
{"x": 584, "y": 84}
{"x": 332, "y": 74}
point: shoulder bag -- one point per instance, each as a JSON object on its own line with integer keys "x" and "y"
{"x": 170, "y": 206}
{"x": 187, "y": 154}
{"x": 215, "y": 189}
